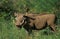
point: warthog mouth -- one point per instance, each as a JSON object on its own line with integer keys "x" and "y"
{"x": 19, "y": 26}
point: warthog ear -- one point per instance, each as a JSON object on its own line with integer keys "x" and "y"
{"x": 27, "y": 17}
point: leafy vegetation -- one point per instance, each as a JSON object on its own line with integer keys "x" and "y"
{"x": 7, "y": 8}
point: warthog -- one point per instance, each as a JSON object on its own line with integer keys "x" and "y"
{"x": 35, "y": 21}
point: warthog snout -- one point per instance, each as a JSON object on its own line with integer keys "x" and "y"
{"x": 19, "y": 26}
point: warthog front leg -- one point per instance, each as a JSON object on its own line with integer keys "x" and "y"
{"x": 53, "y": 27}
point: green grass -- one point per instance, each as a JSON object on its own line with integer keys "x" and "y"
{"x": 9, "y": 31}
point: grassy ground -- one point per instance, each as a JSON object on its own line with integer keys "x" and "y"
{"x": 9, "y": 31}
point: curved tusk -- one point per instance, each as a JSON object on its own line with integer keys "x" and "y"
{"x": 22, "y": 22}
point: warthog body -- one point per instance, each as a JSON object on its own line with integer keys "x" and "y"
{"x": 35, "y": 21}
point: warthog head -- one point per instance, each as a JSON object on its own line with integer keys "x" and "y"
{"x": 22, "y": 19}
{"x": 19, "y": 20}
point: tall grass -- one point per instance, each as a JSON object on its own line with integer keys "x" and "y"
{"x": 9, "y": 31}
